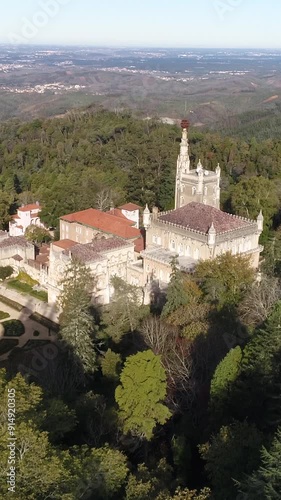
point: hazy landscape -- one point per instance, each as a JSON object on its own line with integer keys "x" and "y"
{"x": 221, "y": 89}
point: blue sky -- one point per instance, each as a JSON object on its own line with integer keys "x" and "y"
{"x": 154, "y": 23}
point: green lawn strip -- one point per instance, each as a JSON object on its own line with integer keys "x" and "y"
{"x": 4, "y": 315}
{"x": 21, "y": 287}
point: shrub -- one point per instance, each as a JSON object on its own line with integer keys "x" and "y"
{"x": 4, "y": 315}
{"x": 5, "y": 272}
{"x": 7, "y": 345}
{"x": 13, "y": 328}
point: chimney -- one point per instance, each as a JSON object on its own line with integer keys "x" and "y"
{"x": 155, "y": 213}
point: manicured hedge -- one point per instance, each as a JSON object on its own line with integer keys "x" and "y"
{"x": 13, "y": 328}
{"x": 11, "y": 303}
{"x": 45, "y": 321}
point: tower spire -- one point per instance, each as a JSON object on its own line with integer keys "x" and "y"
{"x": 183, "y": 163}
{"x": 183, "y": 158}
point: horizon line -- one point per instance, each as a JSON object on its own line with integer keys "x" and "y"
{"x": 132, "y": 46}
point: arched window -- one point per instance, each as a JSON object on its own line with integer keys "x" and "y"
{"x": 182, "y": 201}
{"x": 193, "y": 190}
{"x": 173, "y": 245}
{"x": 196, "y": 254}
{"x": 205, "y": 190}
{"x": 187, "y": 251}
{"x": 181, "y": 249}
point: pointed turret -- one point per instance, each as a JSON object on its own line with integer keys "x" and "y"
{"x": 200, "y": 173}
{"x": 183, "y": 158}
{"x": 199, "y": 167}
{"x": 212, "y": 236}
{"x": 183, "y": 163}
{"x": 260, "y": 220}
{"x": 146, "y": 218}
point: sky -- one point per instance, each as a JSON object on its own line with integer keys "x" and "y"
{"x": 143, "y": 23}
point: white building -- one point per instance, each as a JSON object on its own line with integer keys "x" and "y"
{"x": 27, "y": 215}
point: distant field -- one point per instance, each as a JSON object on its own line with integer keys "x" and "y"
{"x": 216, "y": 89}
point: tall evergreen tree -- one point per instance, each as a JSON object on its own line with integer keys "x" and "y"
{"x": 77, "y": 322}
{"x": 265, "y": 483}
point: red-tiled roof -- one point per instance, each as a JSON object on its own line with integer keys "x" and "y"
{"x": 200, "y": 217}
{"x": 43, "y": 258}
{"x": 12, "y": 241}
{"x": 17, "y": 257}
{"x": 131, "y": 207}
{"x": 104, "y": 222}
{"x": 97, "y": 248}
{"x": 118, "y": 213}
{"x": 139, "y": 244}
{"x": 15, "y": 217}
{"x": 28, "y": 208}
{"x": 64, "y": 244}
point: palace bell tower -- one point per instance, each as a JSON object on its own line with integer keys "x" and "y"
{"x": 200, "y": 185}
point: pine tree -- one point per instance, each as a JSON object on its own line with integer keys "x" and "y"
{"x": 77, "y": 323}
{"x": 265, "y": 483}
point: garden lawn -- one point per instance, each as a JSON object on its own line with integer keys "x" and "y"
{"x": 21, "y": 287}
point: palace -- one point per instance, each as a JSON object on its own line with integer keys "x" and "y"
{"x": 137, "y": 247}
{"x": 111, "y": 243}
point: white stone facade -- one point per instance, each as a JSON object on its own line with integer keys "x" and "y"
{"x": 27, "y": 215}
{"x": 199, "y": 185}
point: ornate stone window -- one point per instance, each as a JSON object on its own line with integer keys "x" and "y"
{"x": 196, "y": 254}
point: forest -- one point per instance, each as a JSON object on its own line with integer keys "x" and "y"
{"x": 176, "y": 400}
{"x": 84, "y": 158}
